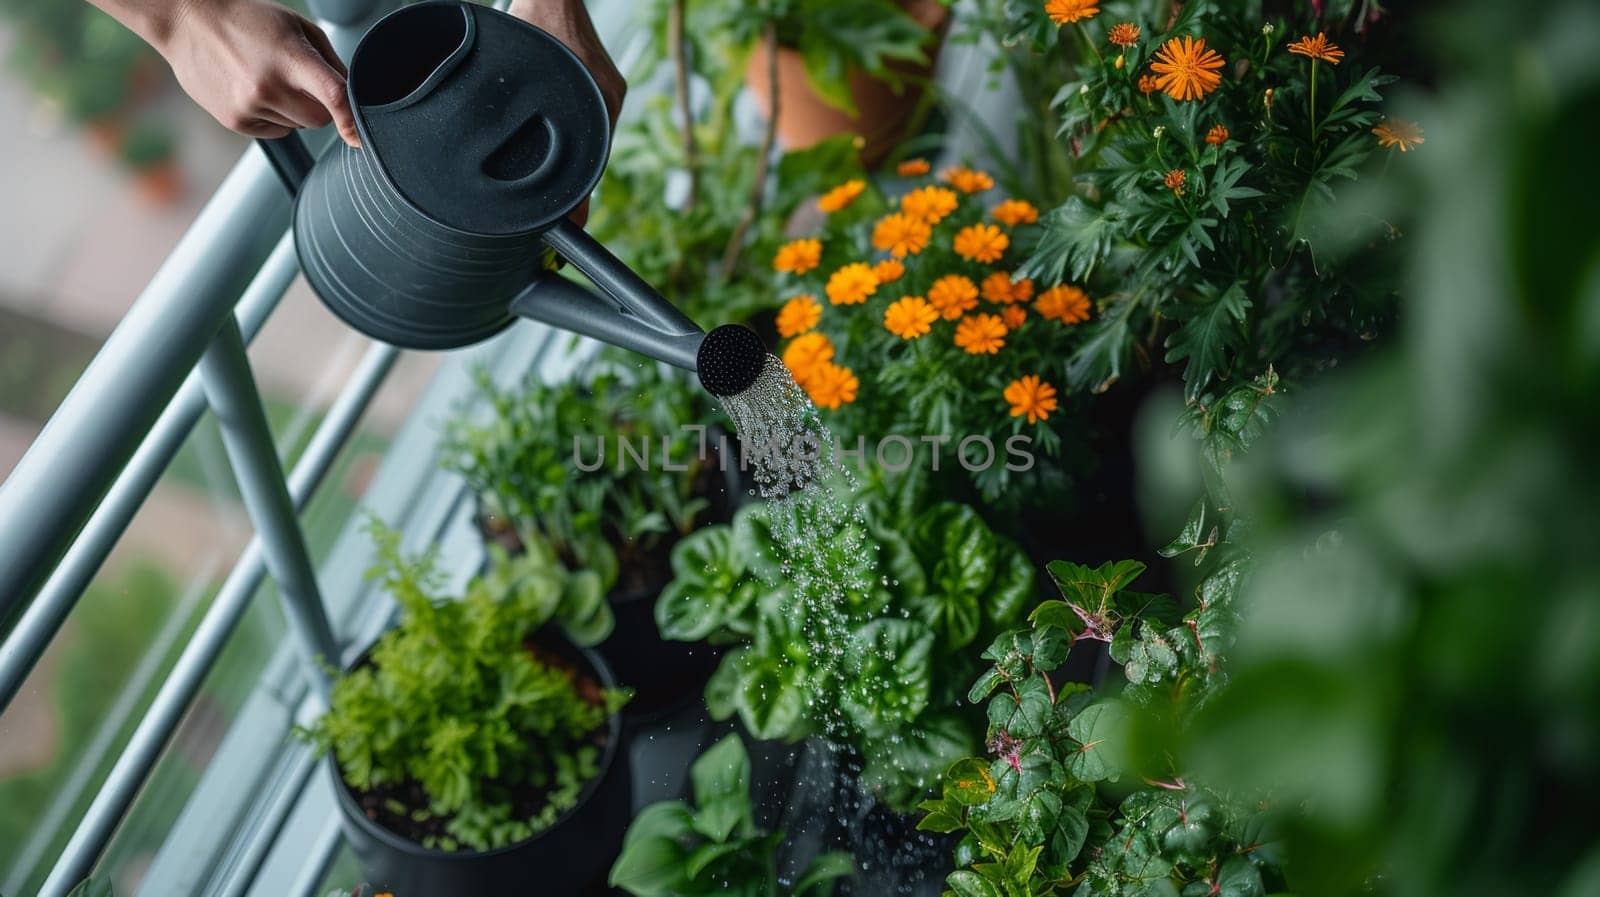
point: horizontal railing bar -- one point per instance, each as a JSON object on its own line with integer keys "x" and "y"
{"x": 188, "y": 673}
{"x": 21, "y": 649}
{"x": 87, "y": 442}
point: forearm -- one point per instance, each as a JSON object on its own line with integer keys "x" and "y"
{"x": 153, "y": 20}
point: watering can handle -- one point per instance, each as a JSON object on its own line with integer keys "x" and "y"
{"x": 289, "y": 157}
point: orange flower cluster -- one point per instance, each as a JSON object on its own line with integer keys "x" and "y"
{"x": 841, "y": 196}
{"x": 1185, "y": 69}
{"x": 953, "y": 295}
{"x": 968, "y": 180}
{"x": 1175, "y": 180}
{"x": 1066, "y": 12}
{"x": 910, "y": 317}
{"x": 1217, "y": 136}
{"x": 798, "y": 315}
{"x": 809, "y": 358}
{"x": 852, "y": 284}
{"x": 983, "y": 243}
{"x": 798, "y": 256}
{"x": 931, "y": 204}
{"x": 1000, "y": 289}
{"x": 1318, "y": 47}
{"x": 900, "y": 234}
{"x": 910, "y": 168}
{"x": 1397, "y": 133}
{"x": 905, "y": 237}
{"x": 1124, "y": 34}
{"x": 1065, "y": 303}
{"x": 1031, "y": 396}
{"x": 1013, "y": 212}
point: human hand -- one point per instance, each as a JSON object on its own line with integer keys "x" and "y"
{"x": 568, "y": 21}
{"x": 258, "y": 68}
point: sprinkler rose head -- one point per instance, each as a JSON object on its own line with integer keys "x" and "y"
{"x": 730, "y": 359}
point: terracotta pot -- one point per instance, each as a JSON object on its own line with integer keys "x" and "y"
{"x": 105, "y": 134}
{"x": 884, "y": 113}
{"x": 160, "y": 184}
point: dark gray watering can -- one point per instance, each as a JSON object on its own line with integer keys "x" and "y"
{"x": 480, "y": 135}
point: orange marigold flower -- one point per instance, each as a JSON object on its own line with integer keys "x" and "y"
{"x": 1397, "y": 133}
{"x": 910, "y": 168}
{"x": 1065, "y": 303}
{"x": 900, "y": 234}
{"x": 1217, "y": 136}
{"x": 889, "y": 271}
{"x": 1124, "y": 34}
{"x": 1174, "y": 180}
{"x": 953, "y": 295}
{"x": 1014, "y": 316}
{"x": 997, "y": 288}
{"x": 805, "y": 353}
{"x": 1013, "y": 212}
{"x": 1031, "y": 396}
{"x": 930, "y": 204}
{"x": 981, "y": 334}
{"x": 1065, "y": 12}
{"x": 798, "y": 315}
{"x": 983, "y": 243}
{"x": 1318, "y": 47}
{"x": 1148, "y": 85}
{"x": 1185, "y": 69}
{"x": 841, "y": 196}
{"x": 968, "y": 180}
{"x": 831, "y": 385}
{"x": 798, "y": 257}
{"x": 909, "y": 317}
{"x": 852, "y": 284}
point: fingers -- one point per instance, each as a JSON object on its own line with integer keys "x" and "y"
{"x": 317, "y": 77}
{"x": 263, "y": 129}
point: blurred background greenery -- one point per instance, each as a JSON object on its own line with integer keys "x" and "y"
{"x": 1417, "y": 676}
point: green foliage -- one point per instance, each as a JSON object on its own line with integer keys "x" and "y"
{"x": 456, "y": 700}
{"x": 1050, "y": 810}
{"x": 148, "y": 144}
{"x": 527, "y": 459}
{"x": 1245, "y": 263}
{"x": 943, "y": 585}
{"x": 1416, "y": 676}
{"x": 834, "y": 38}
{"x": 679, "y": 239}
{"x": 714, "y": 847}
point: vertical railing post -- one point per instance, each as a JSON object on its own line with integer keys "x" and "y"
{"x": 231, "y": 390}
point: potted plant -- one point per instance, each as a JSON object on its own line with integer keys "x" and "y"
{"x": 831, "y": 67}
{"x": 148, "y": 150}
{"x": 611, "y": 468}
{"x": 878, "y": 669}
{"x": 475, "y": 746}
{"x": 714, "y": 847}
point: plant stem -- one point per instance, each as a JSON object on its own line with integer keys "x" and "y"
{"x": 1084, "y": 33}
{"x": 678, "y": 47}
{"x": 758, "y": 185}
{"x": 1313, "y": 105}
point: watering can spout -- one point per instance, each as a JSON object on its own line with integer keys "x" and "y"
{"x": 633, "y": 316}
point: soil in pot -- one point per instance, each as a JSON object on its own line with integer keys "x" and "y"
{"x": 571, "y": 855}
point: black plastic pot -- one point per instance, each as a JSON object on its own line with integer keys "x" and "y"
{"x": 664, "y": 675}
{"x": 570, "y": 857}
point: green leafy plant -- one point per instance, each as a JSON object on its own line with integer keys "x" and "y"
{"x": 1048, "y": 811}
{"x": 609, "y": 467}
{"x": 459, "y": 716}
{"x": 1205, "y": 225}
{"x": 696, "y": 210}
{"x": 148, "y": 144}
{"x": 891, "y": 692}
{"x": 714, "y": 847}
